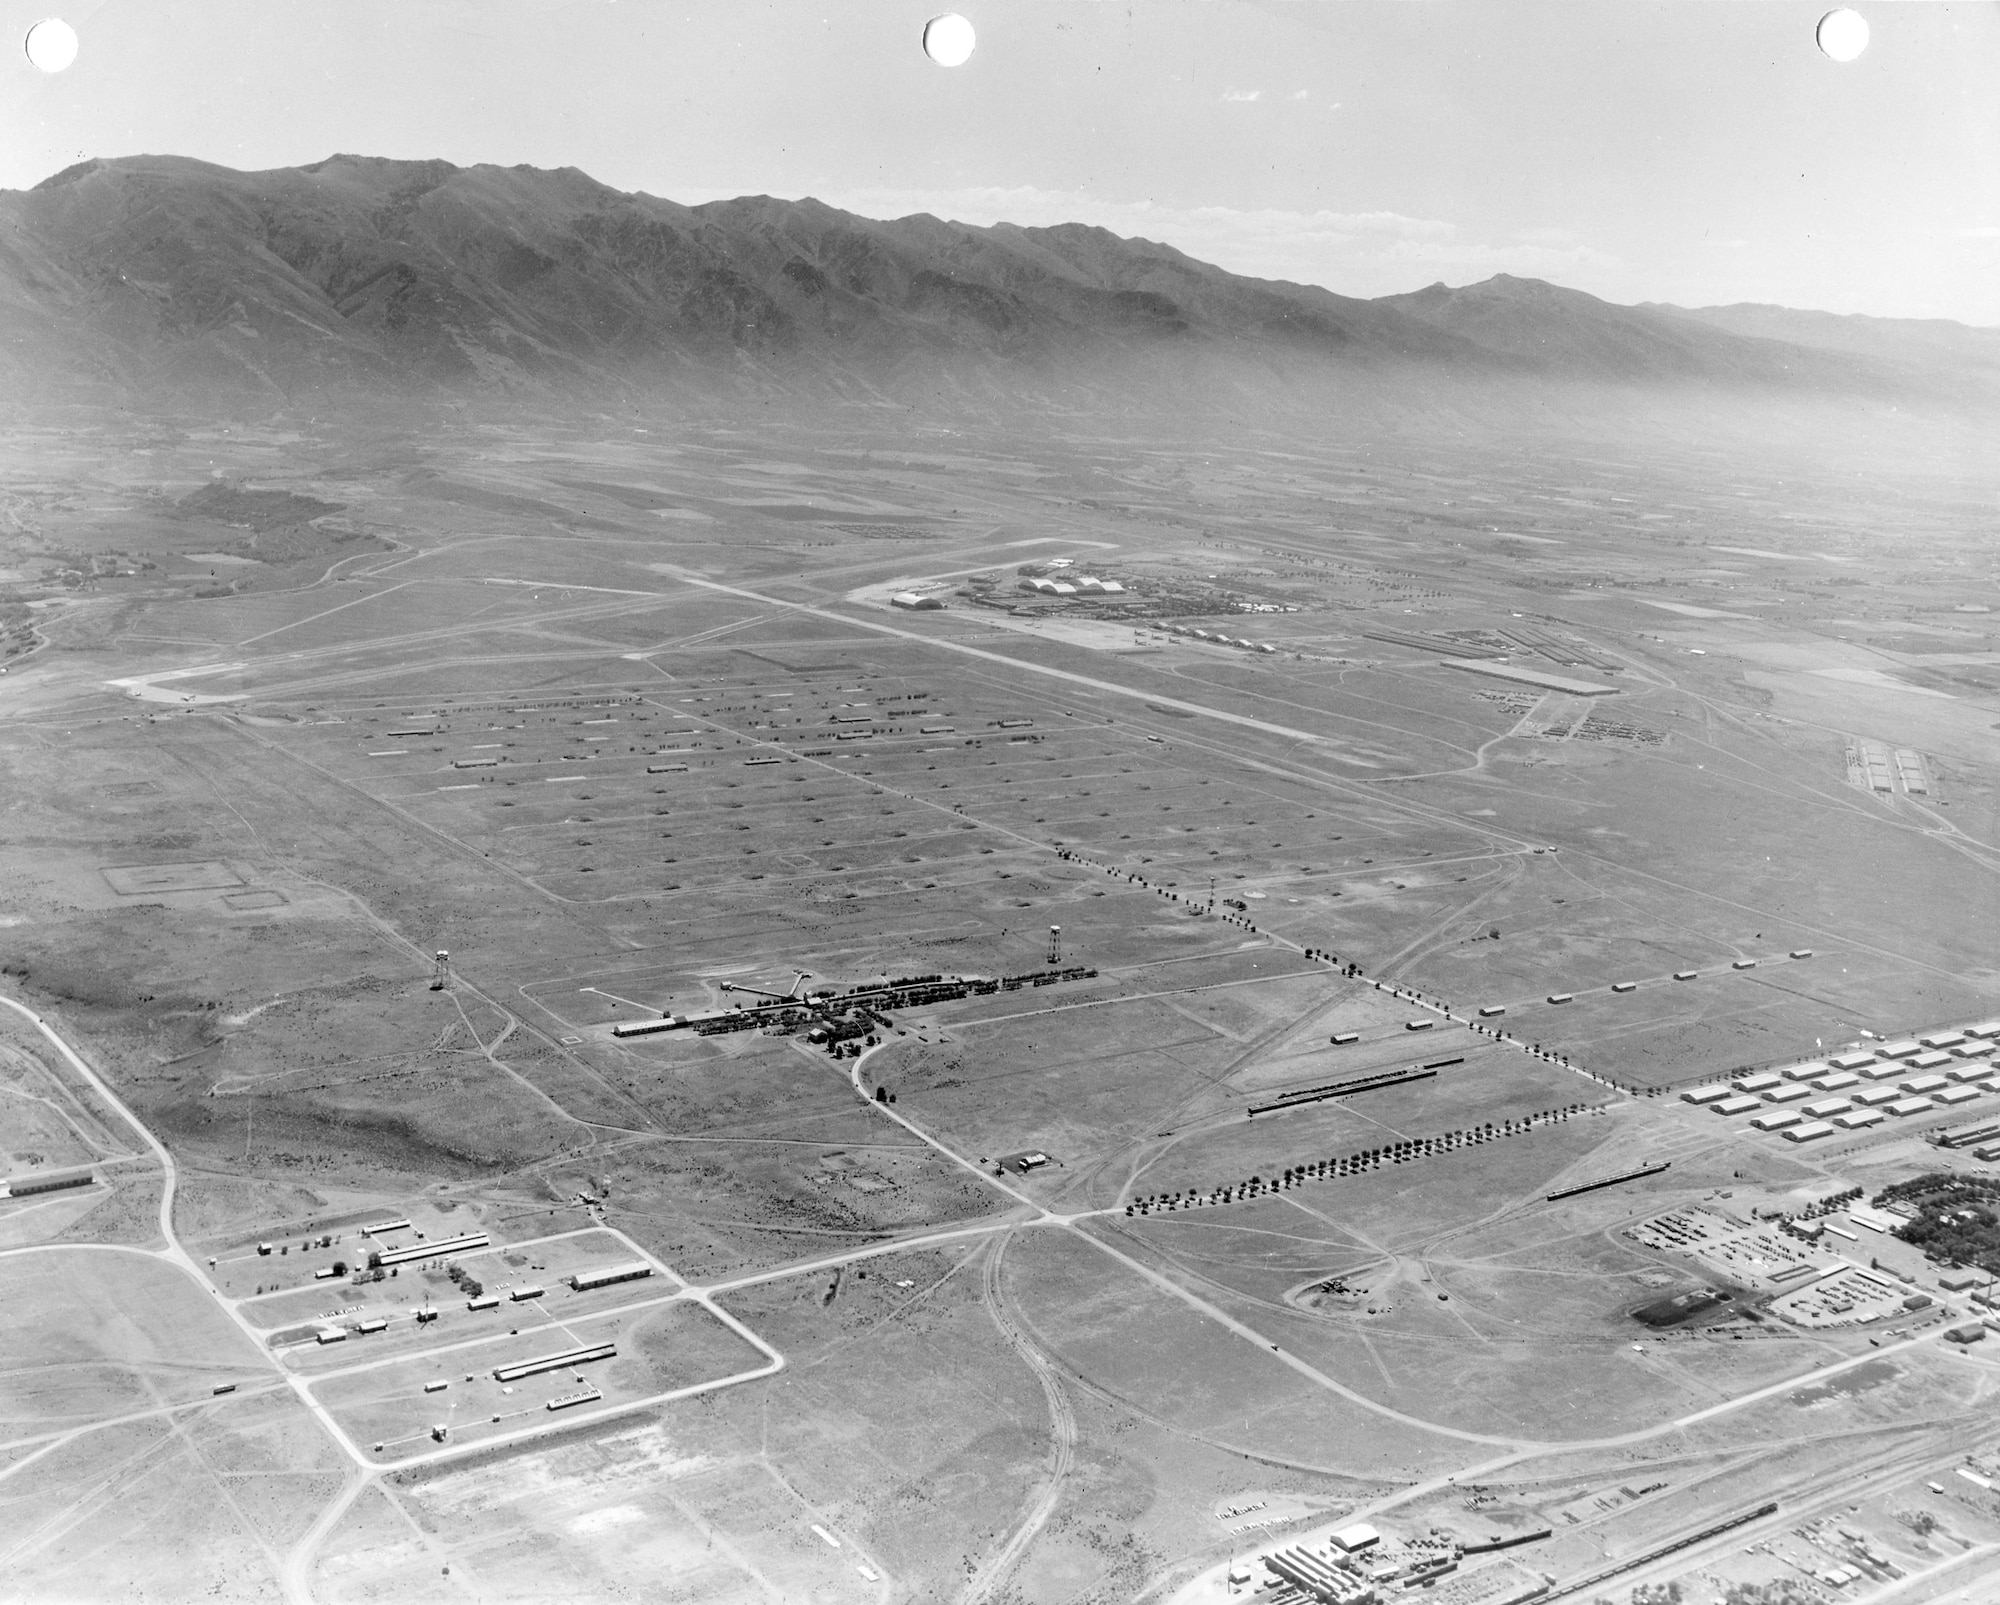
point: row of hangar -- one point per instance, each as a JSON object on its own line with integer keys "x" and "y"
{"x": 1859, "y": 1089}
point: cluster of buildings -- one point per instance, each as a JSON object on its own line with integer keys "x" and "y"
{"x": 1354, "y": 1566}
{"x": 1858, "y": 1089}
{"x": 1216, "y": 637}
{"x": 835, "y": 1019}
{"x": 1066, "y": 585}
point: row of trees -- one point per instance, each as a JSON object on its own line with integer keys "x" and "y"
{"x": 1353, "y": 1164}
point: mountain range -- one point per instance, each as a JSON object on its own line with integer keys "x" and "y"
{"x": 161, "y": 279}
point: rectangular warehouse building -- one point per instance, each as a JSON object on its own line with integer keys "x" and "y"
{"x": 420, "y": 1251}
{"x": 28, "y": 1186}
{"x": 554, "y": 1362}
{"x": 584, "y": 1281}
{"x": 1548, "y": 682}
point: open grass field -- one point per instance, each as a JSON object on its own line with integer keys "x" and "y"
{"x": 624, "y": 725}
{"x": 168, "y": 1501}
{"x": 93, "y": 1333}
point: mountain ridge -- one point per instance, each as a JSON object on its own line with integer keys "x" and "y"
{"x": 358, "y": 276}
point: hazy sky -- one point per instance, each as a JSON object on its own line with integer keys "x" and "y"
{"x": 1690, "y": 152}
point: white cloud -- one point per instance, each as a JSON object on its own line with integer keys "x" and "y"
{"x": 1243, "y": 94}
{"x": 1301, "y": 94}
{"x": 1990, "y": 232}
{"x": 1546, "y": 236}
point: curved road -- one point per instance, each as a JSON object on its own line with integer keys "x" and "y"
{"x": 1511, "y": 1450}
{"x": 170, "y": 1177}
{"x": 1062, "y": 1429}
{"x": 174, "y": 1253}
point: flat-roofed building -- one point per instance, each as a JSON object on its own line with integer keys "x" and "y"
{"x": 581, "y": 1355}
{"x": 28, "y": 1186}
{"x": 608, "y": 1275}
{"x": 463, "y": 1244}
{"x": 1548, "y": 682}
